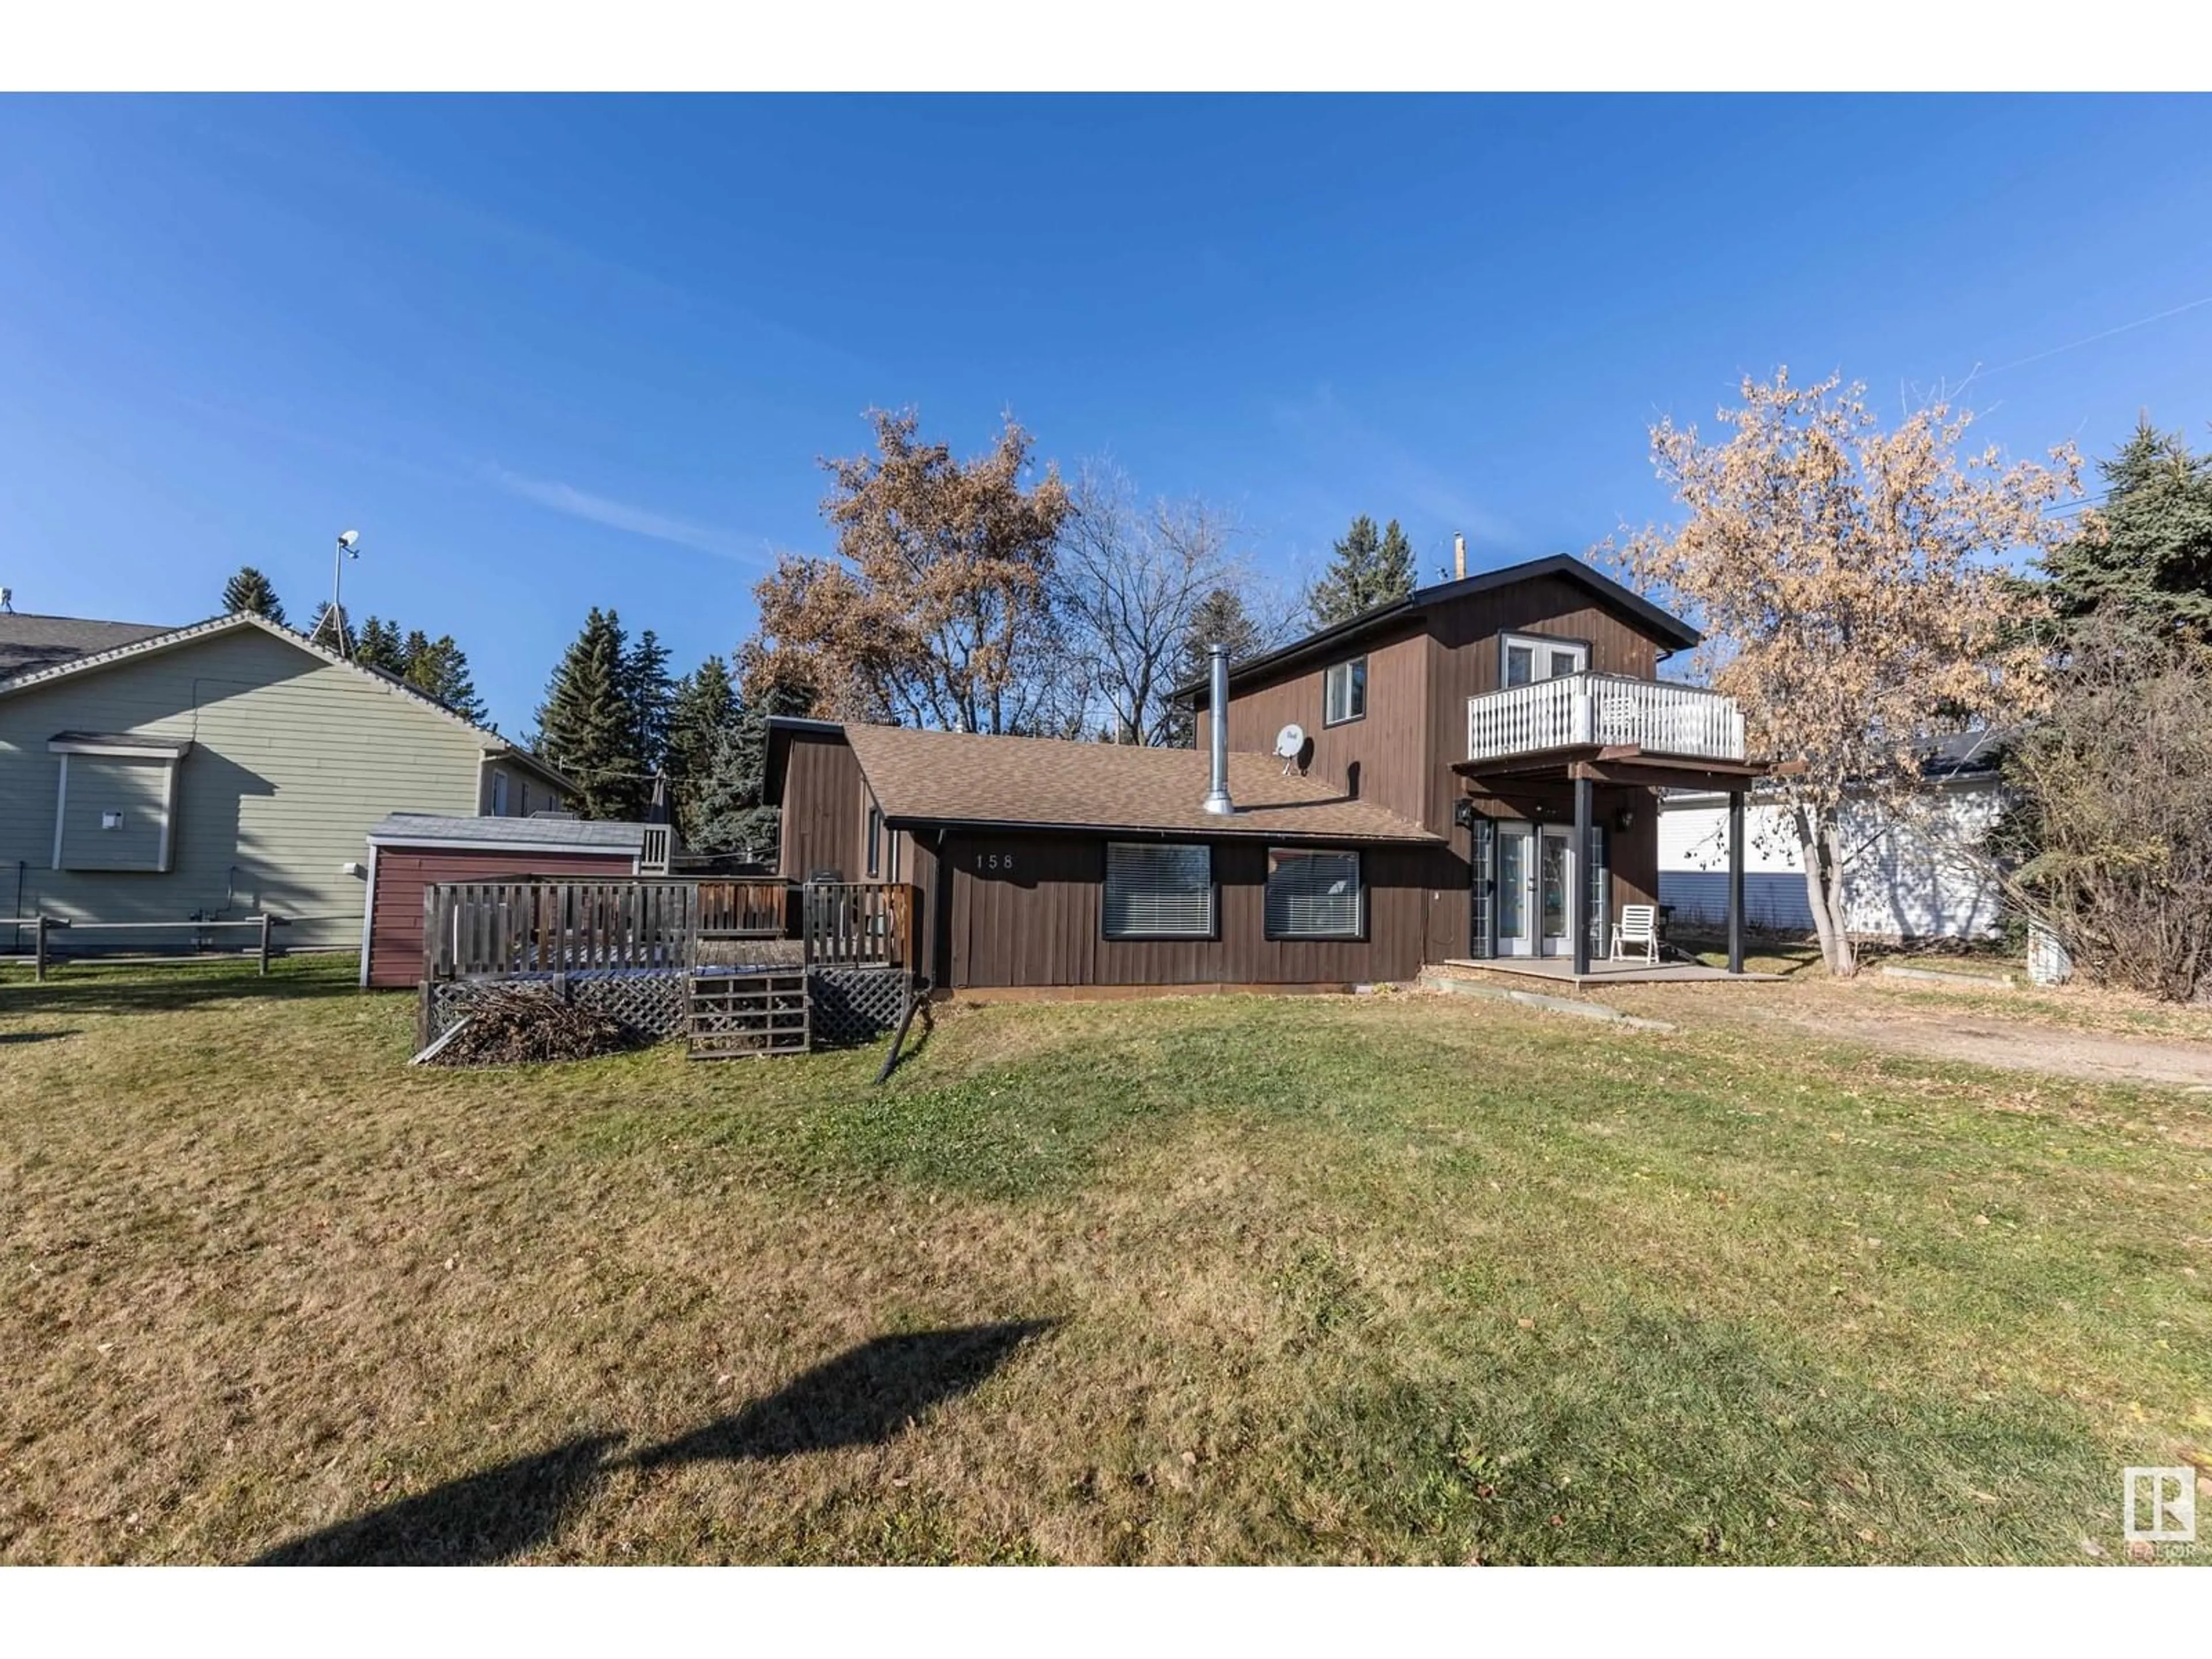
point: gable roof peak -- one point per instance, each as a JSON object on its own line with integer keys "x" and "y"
{"x": 1663, "y": 625}
{"x": 171, "y": 638}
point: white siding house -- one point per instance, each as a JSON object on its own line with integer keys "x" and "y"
{"x": 1907, "y": 877}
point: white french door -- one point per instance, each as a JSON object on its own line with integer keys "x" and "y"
{"x": 1534, "y": 876}
{"x": 1516, "y": 864}
{"x": 1554, "y": 882}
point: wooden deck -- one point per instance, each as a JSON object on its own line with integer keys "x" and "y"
{"x": 1559, "y": 970}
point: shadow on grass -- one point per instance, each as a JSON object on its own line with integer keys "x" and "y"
{"x": 7, "y": 1037}
{"x": 164, "y": 988}
{"x": 1785, "y": 957}
{"x": 917, "y": 1039}
{"x": 862, "y": 1397}
{"x": 489, "y": 1517}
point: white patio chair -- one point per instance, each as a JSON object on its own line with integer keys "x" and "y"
{"x": 1638, "y": 926}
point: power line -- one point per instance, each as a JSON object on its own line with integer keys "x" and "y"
{"x": 2092, "y": 339}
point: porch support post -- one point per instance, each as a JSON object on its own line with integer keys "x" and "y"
{"x": 1578, "y": 880}
{"x": 1736, "y": 882}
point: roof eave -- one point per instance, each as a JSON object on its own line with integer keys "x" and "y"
{"x": 1668, "y": 628}
{"x": 1227, "y": 830}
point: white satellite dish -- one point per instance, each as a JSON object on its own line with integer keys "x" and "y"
{"x": 1290, "y": 744}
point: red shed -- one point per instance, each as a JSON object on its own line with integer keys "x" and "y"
{"x": 408, "y": 851}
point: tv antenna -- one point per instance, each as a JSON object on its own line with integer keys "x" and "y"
{"x": 348, "y": 548}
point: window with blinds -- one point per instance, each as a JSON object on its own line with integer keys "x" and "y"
{"x": 1156, "y": 891}
{"x": 1315, "y": 895}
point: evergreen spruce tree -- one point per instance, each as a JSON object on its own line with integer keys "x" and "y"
{"x": 249, "y": 590}
{"x": 703, "y": 705}
{"x": 1220, "y": 618}
{"x": 2150, "y": 560}
{"x": 588, "y": 725}
{"x": 1394, "y": 564}
{"x": 646, "y": 685}
{"x": 727, "y": 812}
{"x": 1370, "y": 568}
{"x": 439, "y": 668}
{"x": 380, "y": 644}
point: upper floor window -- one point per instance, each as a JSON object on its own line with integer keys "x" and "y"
{"x": 499, "y": 794}
{"x": 1530, "y": 657}
{"x": 1345, "y": 692}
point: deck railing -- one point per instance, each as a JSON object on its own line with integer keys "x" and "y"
{"x": 478, "y": 928}
{"x": 858, "y": 924}
{"x": 1659, "y": 716}
{"x": 745, "y": 910}
{"x": 493, "y": 928}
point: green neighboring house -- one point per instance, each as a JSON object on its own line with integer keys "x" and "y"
{"x": 218, "y": 771}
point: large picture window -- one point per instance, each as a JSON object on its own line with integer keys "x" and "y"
{"x": 1344, "y": 692}
{"x": 1158, "y": 890}
{"x": 1315, "y": 896}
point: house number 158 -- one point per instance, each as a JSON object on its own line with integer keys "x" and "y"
{"x": 994, "y": 860}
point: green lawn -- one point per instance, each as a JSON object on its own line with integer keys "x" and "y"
{"x": 1390, "y": 1279}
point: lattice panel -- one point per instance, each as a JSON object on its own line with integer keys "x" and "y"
{"x": 834, "y": 1007}
{"x": 855, "y": 1005}
{"x": 646, "y": 1000}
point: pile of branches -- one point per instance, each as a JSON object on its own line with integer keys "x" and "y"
{"x": 523, "y": 1025}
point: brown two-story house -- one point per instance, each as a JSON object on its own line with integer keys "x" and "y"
{"x": 1459, "y": 775}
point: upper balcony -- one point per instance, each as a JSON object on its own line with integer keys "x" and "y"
{"x": 1656, "y": 717}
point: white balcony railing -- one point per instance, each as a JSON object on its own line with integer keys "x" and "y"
{"x": 1658, "y": 716}
{"x": 655, "y": 848}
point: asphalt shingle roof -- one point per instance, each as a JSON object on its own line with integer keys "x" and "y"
{"x": 960, "y": 777}
{"x": 28, "y": 643}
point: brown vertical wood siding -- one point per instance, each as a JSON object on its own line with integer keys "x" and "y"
{"x": 1419, "y": 675}
{"x": 1391, "y": 747}
{"x": 824, "y": 815}
{"x": 395, "y": 930}
{"x": 1463, "y": 662}
{"x": 1034, "y": 918}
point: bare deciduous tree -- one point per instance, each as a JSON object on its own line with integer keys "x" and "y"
{"x": 938, "y": 610}
{"x": 1134, "y": 576}
{"x": 1848, "y": 579}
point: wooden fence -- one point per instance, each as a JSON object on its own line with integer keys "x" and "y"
{"x": 43, "y": 928}
{"x": 490, "y": 927}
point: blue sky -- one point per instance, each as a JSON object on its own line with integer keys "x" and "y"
{"x": 548, "y": 353}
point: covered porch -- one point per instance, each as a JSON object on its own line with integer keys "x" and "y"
{"x": 1566, "y": 787}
